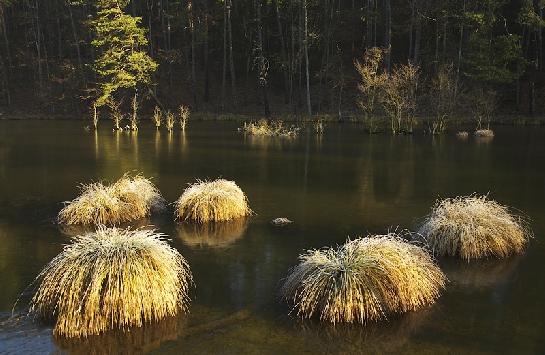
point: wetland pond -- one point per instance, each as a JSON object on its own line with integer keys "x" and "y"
{"x": 345, "y": 183}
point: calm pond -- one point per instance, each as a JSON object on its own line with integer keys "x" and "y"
{"x": 345, "y": 183}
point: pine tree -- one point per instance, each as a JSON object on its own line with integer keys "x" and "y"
{"x": 122, "y": 66}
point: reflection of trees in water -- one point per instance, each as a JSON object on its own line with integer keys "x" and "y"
{"x": 387, "y": 170}
{"x": 130, "y": 341}
{"x": 480, "y": 273}
{"x": 118, "y": 152}
{"x": 217, "y": 234}
{"x": 24, "y": 250}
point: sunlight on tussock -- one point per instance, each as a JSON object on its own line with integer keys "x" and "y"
{"x": 127, "y": 199}
{"x": 112, "y": 279}
{"x": 473, "y": 227}
{"x": 212, "y": 201}
{"x": 365, "y": 279}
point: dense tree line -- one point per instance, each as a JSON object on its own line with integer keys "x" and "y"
{"x": 271, "y": 56}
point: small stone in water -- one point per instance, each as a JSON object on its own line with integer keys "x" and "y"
{"x": 281, "y": 221}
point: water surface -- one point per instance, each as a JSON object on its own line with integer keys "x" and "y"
{"x": 346, "y": 183}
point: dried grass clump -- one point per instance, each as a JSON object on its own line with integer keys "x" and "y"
{"x": 274, "y": 129}
{"x": 473, "y": 227}
{"x": 484, "y": 133}
{"x": 462, "y": 135}
{"x": 212, "y": 201}
{"x": 128, "y": 199}
{"x": 112, "y": 279}
{"x": 139, "y": 191}
{"x": 365, "y": 279}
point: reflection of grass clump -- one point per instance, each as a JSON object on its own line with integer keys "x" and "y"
{"x": 365, "y": 279}
{"x": 112, "y": 279}
{"x": 220, "y": 234}
{"x": 265, "y": 128}
{"x": 128, "y": 199}
{"x": 135, "y": 340}
{"x": 472, "y": 227}
{"x": 212, "y": 201}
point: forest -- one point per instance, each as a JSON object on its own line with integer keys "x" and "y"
{"x": 271, "y": 58}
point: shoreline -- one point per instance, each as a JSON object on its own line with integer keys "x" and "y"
{"x": 420, "y": 122}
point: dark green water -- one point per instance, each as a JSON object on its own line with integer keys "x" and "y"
{"x": 345, "y": 184}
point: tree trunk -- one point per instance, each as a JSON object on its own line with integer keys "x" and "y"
{"x": 231, "y": 59}
{"x": 460, "y": 42}
{"x": 282, "y": 53}
{"x": 193, "y": 56}
{"x": 262, "y": 70}
{"x": 387, "y": 34}
{"x": 417, "y": 36}
{"x": 305, "y": 47}
{"x": 206, "y": 96}
{"x": 224, "y": 72}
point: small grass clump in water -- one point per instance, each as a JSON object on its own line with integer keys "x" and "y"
{"x": 462, "y": 135}
{"x": 128, "y": 199}
{"x": 484, "y": 133}
{"x": 264, "y": 128}
{"x": 365, "y": 279}
{"x": 212, "y": 201}
{"x": 473, "y": 227}
{"x": 112, "y": 279}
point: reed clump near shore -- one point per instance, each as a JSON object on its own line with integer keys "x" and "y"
{"x": 212, "y": 201}
{"x": 272, "y": 129}
{"x": 366, "y": 279}
{"x": 472, "y": 227}
{"x": 112, "y": 279}
{"x": 130, "y": 198}
{"x": 484, "y": 133}
{"x": 462, "y": 135}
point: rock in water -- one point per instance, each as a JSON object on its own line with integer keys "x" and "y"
{"x": 281, "y": 221}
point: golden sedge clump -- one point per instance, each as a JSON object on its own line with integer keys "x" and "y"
{"x": 473, "y": 227}
{"x": 212, "y": 201}
{"x": 128, "y": 199}
{"x": 112, "y": 279}
{"x": 365, "y": 279}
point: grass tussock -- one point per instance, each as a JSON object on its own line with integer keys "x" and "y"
{"x": 215, "y": 235}
{"x": 112, "y": 279}
{"x": 484, "y": 133}
{"x": 212, "y": 201}
{"x": 272, "y": 129}
{"x": 462, "y": 135}
{"x": 365, "y": 279}
{"x": 473, "y": 227}
{"x": 130, "y": 198}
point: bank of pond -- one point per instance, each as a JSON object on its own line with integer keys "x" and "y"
{"x": 114, "y": 279}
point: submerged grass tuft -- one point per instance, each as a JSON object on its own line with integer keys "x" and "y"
{"x": 462, "y": 135}
{"x": 212, "y": 201}
{"x": 127, "y": 199}
{"x": 365, "y": 279}
{"x": 274, "y": 128}
{"x": 473, "y": 227}
{"x": 112, "y": 279}
{"x": 484, "y": 133}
